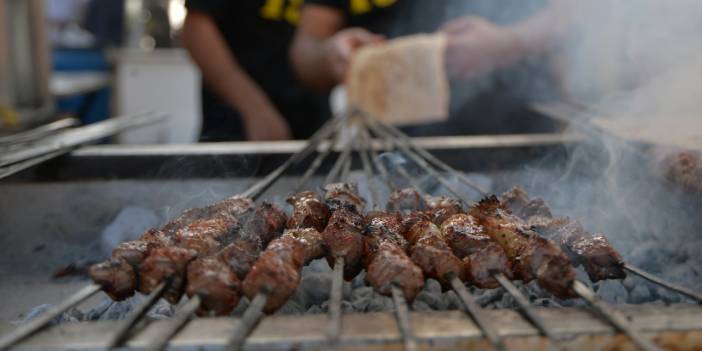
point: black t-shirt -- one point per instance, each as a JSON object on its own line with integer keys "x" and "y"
{"x": 259, "y": 33}
{"x": 391, "y": 18}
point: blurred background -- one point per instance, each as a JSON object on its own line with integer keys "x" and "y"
{"x": 92, "y": 59}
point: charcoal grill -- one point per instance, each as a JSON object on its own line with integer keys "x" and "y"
{"x": 676, "y": 326}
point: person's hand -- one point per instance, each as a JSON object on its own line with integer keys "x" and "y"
{"x": 266, "y": 123}
{"x": 344, "y": 44}
{"x": 477, "y": 46}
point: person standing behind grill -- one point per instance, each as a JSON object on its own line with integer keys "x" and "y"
{"x": 249, "y": 91}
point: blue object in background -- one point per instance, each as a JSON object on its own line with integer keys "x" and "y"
{"x": 92, "y": 106}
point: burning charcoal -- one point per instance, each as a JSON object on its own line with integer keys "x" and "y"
{"x": 419, "y": 305}
{"x": 379, "y": 303}
{"x": 291, "y": 307}
{"x": 316, "y": 287}
{"x": 612, "y": 292}
{"x": 452, "y": 301}
{"x": 315, "y": 310}
{"x": 431, "y": 299}
{"x": 489, "y": 296}
{"x": 360, "y": 298}
{"x": 546, "y": 302}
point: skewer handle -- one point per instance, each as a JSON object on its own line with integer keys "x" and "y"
{"x": 248, "y": 322}
{"x": 615, "y": 318}
{"x": 474, "y": 312}
{"x": 174, "y": 325}
{"x": 652, "y": 278}
{"x": 33, "y": 326}
{"x": 403, "y": 322}
{"x": 124, "y": 329}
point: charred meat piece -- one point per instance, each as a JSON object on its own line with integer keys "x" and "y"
{"x": 391, "y": 266}
{"x": 308, "y": 211}
{"x": 204, "y": 235}
{"x": 241, "y": 254}
{"x": 532, "y": 256}
{"x": 277, "y": 272}
{"x": 433, "y": 255}
{"x": 215, "y": 283}
{"x": 442, "y": 208}
{"x": 383, "y": 227}
{"x": 464, "y": 234}
{"x": 406, "y": 200}
{"x": 274, "y": 276}
{"x": 163, "y": 264}
{"x": 343, "y": 237}
{"x": 134, "y": 252}
{"x": 343, "y": 195}
{"x": 312, "y": 239}
{"x": 116, "y": 277}
{"x": 480, "y": 265}
{"x": 599, "y": 259}
{"x": 266, "y": 223}
{"x": 234, "y": 206}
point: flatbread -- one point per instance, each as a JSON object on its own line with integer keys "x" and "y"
{"x": 402, "y": 81}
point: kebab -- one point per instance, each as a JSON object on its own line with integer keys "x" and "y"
{"x": 216, "y": 279}
{"x": 593, "y": 251}
{"x": 119, "y": 276}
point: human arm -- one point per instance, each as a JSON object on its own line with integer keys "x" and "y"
{"x": 225, "y": 76}
{"x": 321, "y": 50}
{"x": 477, "y": 46}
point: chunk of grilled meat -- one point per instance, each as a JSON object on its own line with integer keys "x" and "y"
{"x": 406, "y": 200}
{"x": 391, "y": 266}
{"x": 216, "y": 278}
{"x": 215, "y": 283}
{"x": 432, "y": 254}
{"x": 116, "y": 277}
{"x": 464, "y": 234}
{"x": 308, "y": 211}
{"x": 205, "y": 235}
{"x": 163, "y": 264}
{"x": 382, "y": 227}
{"x": 599, "y": 259}
{"x": 481, "y": 265}
{"x": 313, "y": 241}
{"x": 683, "y": 168}
{"x": 532, "y": 256}
{"x": 277, "y": 272}
{"x": 343, "y": 195}
{"x": 442, "y": 208}
{"x": 481, "y": 255}
{"x": 343, "y": 237}
{"x": 234, "y": 206}
{"x": 135, "y": 251}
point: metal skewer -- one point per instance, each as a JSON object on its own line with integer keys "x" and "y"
{"x": 124, "y": 329}
{"x": 473, "y": 310}
{"x": 403, "y": 321}
{"x": 174, "y": 325}
{"x": 33, "y": 326}
{"x": 335, "y": 324}
{"x": 652, "y": 278}
{"x": 614, "y": 317}
{"x": 248, "y": 322}
{"x": 470, "y": 306}
{"x": 526, "y": 309}
{"x": 433, "y": 159}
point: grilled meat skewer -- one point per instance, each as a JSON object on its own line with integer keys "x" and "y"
{"x": 308, "y": 211}
{"x": 430, "y": 251}
{"x": 593, "y": 251}
{"x": 277, "y": 272}
{"x": 387, "y": 263}
{"x": 481, "y": 255}
{"x": 532, "y": 256}
{"x": 216, "y": 279}
{"x": 133, "y": 253}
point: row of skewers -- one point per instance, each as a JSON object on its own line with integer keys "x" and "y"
{"x": 234, "y": 248}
